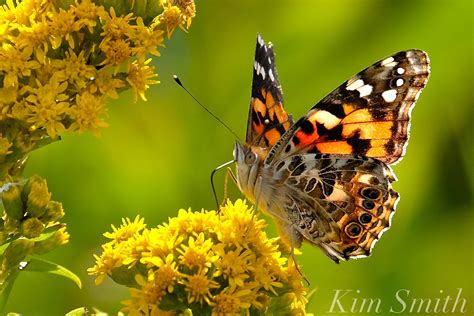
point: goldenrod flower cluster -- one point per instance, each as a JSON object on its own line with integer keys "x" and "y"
{"x": 61, "y": 60}
{"x": 202, "y": 263}
{"x": 31, "y": 223}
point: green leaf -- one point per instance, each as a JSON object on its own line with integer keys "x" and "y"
{"x": 7, "y": 286}
{"x": 40, "y": 265}
{"x": 78, "y": 312}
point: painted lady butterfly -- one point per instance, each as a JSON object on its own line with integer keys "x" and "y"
{"x": 326, "y": 178}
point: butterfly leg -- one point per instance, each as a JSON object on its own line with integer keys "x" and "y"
{"x": 297, "y": 267}
{"x": 258, "y": 186}
{"x": 228, "y": 173}
{"x": 212, "y": 182}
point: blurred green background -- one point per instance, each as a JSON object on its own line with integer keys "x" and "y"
{"x": 156, "y": 156}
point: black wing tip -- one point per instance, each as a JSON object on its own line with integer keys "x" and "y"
{"x": 262, "y": 43}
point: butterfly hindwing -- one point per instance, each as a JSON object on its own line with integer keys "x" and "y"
{"x": 368, "y": 115}
{"x": 267, "y": 117}
{"x": 340, "y": 203}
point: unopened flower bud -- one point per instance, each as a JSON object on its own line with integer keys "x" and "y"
{"x": 54, "y": 212}
{"x": 38, "y": 198}
{"x": 32, "y": 227}
{"x": 27, "y": 187}
{"x": 11, "y": 225}
{"x": 12, "y": 203}
{"x": 59, "y": 238}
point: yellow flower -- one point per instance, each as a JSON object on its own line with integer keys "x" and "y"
{"x": 197, "y": 253}
{"x": 146, "y": 40}
{"x": 135, "y": 246}
{"x": 15, "y": 62}
{"x": 36, "y": 34}
{"x": 171, "y": 17}
{"x": 106, "y": 84}
{"x": 117, "y": 27}
{"x": 199, "y": 286}
{"x": 127, "y": 230}
{"x": 267, "y": 276}
{"x": 87, "y": 13}
{"x": 230, "y": 303}
{"x": 62, "y": 25}
{"x": 188, "y": 7}
{"x": 166, "y": 274}
{"x": 74, "y": 69}
{"x": 202, "y": 261}
{"x": 140, "y": 78}
{"x": 116, "y": 51}
{"x": 110, "y": 258}
{"x": 47, "y": 106}
{"x": 235, "y": 264}
{"x": 86, "y": 113}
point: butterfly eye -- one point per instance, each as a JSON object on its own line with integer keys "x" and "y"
{"x": 250, "y": 158}
{"x": 353, "y": 230}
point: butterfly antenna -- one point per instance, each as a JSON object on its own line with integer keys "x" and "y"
{"x": 178, "y": 81}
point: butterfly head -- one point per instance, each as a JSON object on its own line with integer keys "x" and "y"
{"x": 248, "y": 162}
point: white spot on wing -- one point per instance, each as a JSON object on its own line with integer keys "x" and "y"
{"x": 400, "y": 82}
{"x": 365, "y": 178}
{"x": 353, "y": 85}
{"x": 327, "y": 119}
{"x": 270, "y": 73}
{"x": 260, "y": 70}
{"x": 389, "y": 95}
{"x": 400, "y": 71}
{"x": 365, "y": 90}
{"x": 389, "y": 62}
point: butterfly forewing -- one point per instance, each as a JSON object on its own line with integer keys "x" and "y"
{"x": 267, "y": 119}
{"x": 368, "y": 115}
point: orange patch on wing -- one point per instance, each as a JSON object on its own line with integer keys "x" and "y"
{"x": 272, "y": 136}
{"x": 376, "y": 152}
{"x": 281, "y": 115}
{"x": 377, "y": 148}
{"x": 337, "y": 147}
{"x": 306, "y": 139}
{"x": 258, "y": 128}
{"x": 258, "y": 106}
{"x": 348, "y": 108}
{"x": 286, "y": 125}
{"x": 361, "y": 115}
{"x": 269, "y": 99}
{"x": 369, "y": 130}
